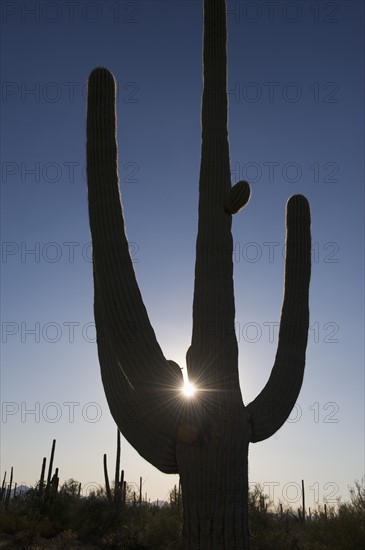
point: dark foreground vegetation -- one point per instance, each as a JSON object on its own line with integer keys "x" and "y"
{"x": 63, "y": 519}
{"x": 49, "y": 517}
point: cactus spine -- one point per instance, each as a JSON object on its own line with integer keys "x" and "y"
{"x": 205, "y": 439}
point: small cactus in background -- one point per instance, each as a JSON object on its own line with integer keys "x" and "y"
{"x": 3, "y": 488}
{"x": 48, "y": 489}
{"x": 8, "y": 492}
{"x": 303, "y": 502}
{"x": 106, "y": 477}
{"x": 119, "y": 498}
{"x": 41, "y": 480}
{"x": 205, "y": 439}
{"x": 117, "y": 487}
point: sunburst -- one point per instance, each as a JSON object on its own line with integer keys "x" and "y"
{"x": 188, "y": 389}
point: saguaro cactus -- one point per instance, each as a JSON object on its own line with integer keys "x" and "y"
{"x": 204, "y": 439}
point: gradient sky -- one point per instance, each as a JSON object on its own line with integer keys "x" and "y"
{"x": 296, "y": 126}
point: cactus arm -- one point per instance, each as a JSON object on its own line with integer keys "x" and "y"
{"x": 272, "y": 406}
{"x": 123, "y": 310}
{"x": 144, "y": 418}
{"x": 139, "y": 382}
{"x": 213, "y": 357}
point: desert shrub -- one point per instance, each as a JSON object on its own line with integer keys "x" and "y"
{"x": 65, "y": 540}
{"x": 161, "y": 528}
{"x": 67, "y": 520}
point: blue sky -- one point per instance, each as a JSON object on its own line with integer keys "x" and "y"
{"x": 295, "y": 80}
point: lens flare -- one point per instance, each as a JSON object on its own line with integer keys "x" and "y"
{"x": 188, "y": 389}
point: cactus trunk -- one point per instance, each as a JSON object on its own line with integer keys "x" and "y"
{"x": 204, "y": 439}
{"x": 214, "y": 479}
{"x": 213, "y": 459}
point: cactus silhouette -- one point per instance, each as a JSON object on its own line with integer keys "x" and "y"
{"x": 205, "y": 439}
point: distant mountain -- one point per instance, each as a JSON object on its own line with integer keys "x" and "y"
{"x": 159, "y": 503}
{"x": 20, "y": 489}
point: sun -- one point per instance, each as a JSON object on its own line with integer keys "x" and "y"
{"x": 188, "y": 389}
